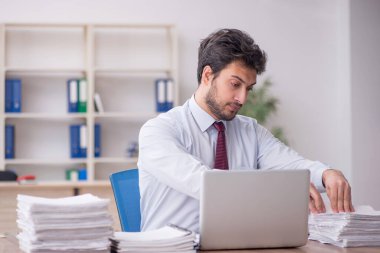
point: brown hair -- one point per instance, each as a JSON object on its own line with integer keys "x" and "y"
{"x": 227, "y": 45}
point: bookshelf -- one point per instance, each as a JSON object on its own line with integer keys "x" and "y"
{"x": 119, "y": 61}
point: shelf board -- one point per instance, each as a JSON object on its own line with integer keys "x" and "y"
{"x": 44, "y": 161}
{"x": 36, "y": 26}
{"x": 44, "y": 70}
{"x": 129, "y": 26}
{"x": 105, "y": 71}
{"x": 115, "y": 160}
{"x": 27, "y": 115}
{"x": 141, "y": 117}
{"x": 39, "y": 26}
{"x": 125, "y": 160}
{"x": 56, "y": 184}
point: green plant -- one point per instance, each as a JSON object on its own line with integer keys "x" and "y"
{"x": 260, "y": 105}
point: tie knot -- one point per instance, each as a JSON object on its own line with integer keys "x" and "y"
{"x": 219, "y": 126}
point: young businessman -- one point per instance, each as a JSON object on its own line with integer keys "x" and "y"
{"x": 177, "y": 146}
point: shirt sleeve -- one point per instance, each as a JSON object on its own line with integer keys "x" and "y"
{"x": 162, "y": 154}
{"x": 273, "y": 154}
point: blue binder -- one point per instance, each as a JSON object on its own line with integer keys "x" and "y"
{"x": 160, "y": 91}
{"x": 74, "y": 141}
{"x": 16, "y": 95}
{"x": 82, "y": 141}
{"x": 9, "y": 141}
{"x": 8, "y": 95}
{"x": 164, "y": 91}
{"x": 72, "y": 95}
{"x": 97, "y": 142}
{"x": 169, "y": 91}
{"x": 82, "y": 174}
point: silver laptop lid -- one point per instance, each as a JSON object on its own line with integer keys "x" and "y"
{"x": 254, "y": 209}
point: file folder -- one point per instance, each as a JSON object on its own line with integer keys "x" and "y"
{"x": 82, "y": 98}
{"x": 160, "y": 95}
{"x": 72, "y": 95}
{"x": 97, "y": 142}
{"x": 74, "y": 141}
{"x": 16, "y": 95}
{"x": 9, "y": 141}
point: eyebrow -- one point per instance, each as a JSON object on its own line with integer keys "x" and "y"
{"x": 241, "y": 80}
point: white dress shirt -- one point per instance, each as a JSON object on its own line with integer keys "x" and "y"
{"x": 175, "y": 147}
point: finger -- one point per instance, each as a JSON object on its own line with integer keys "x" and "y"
{"x": 341, "y": 187}
{"x": 312, "y": 207}
{"x": 323, "y": 208}
{"x": 351, "y": 205}
{"x": 348, "y": 207}
{"x": 317, "y": 199}
{"x": 332, "y": 193}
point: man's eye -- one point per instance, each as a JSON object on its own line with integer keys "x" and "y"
{"x": 235, "y": 84}
{"x": 250, "y": 89}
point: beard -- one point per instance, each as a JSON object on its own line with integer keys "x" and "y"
{"x": 217, "y": 108}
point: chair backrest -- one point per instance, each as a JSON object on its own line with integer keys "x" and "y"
{"x": 125, "y": 185}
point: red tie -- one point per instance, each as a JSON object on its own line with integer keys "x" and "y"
{"x": 221, "y": 161}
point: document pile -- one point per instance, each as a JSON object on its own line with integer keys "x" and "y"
{"x": 357, "y": 229}
{"x": 73, "y": 224}
{"x": 167, "y": 239}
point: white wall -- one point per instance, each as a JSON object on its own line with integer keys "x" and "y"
{"x": 365, "y": 76}
{"x": 307, "y": 43}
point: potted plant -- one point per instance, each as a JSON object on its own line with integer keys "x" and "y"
{"x": 260, "y": 105}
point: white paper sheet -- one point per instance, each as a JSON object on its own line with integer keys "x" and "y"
{"x": 356, "y": 229}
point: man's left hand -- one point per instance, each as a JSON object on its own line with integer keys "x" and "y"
{"x": 316, "y": 204}
{"x": 338, "y": 190}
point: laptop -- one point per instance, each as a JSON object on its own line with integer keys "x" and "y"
{"x": 254, "y": 209}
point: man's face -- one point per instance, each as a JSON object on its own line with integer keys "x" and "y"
{"x": 228, "y": 91}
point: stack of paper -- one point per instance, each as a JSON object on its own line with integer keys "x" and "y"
{"x": 167, "y": 239}
{"x": 73, "y": 224}
{"x": 357, "y": 229}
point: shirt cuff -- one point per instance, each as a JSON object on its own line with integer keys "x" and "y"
{"x": 316, "y": 175}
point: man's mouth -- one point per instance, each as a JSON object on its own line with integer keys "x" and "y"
{"x": 234, "y": 107}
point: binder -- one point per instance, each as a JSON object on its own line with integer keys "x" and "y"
{"x": 82, "y": 174}
{"x": 68, "y": 174}
{"x": 160, "y": 87}
{"x": 164, "y": 89}
{"x": 82, "y": 95}
{"x": 97, "y": 142}
{"x": 16, "y": 95}
{"x": 72, "y": 175}
{"x": 83, "y": 141}
{"x": 9, "y": 141}
{"x": 72, "y": 95}
{"x": 8, "y": 95}
{"x": 98, "y": 103}
{"x": 169, "y": 94}
{"x": 74, "y": 141}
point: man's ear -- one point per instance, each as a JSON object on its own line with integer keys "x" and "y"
{"x": 207, "y": 75}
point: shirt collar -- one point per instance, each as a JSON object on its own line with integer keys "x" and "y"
{"x": 203, "y": 119}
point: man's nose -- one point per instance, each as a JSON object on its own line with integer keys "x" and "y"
{"x": 241, "y": 96}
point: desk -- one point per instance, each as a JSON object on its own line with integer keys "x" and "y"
{"x": 10, "y": 244}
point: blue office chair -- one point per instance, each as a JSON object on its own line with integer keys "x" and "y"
{"x": 125, "y": 186}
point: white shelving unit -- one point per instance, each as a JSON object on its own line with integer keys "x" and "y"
{"x": 120, "y": 62}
